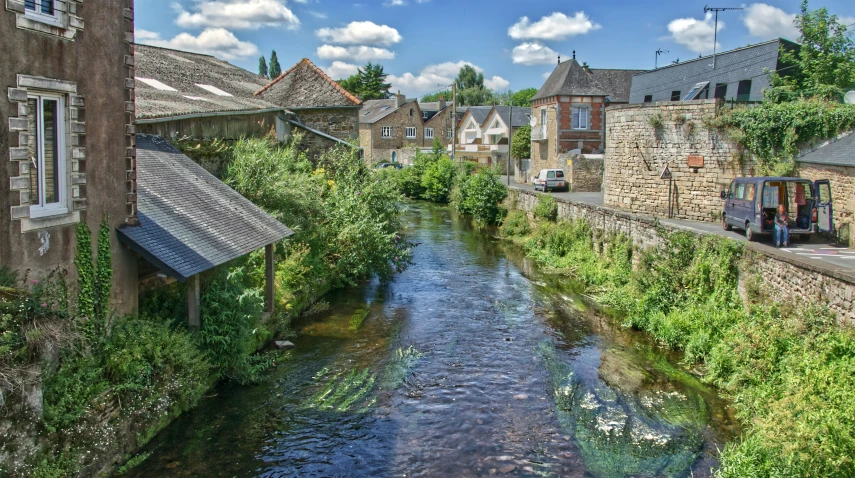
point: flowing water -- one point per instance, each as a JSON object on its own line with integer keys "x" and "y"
{"x": 471, "y": 363}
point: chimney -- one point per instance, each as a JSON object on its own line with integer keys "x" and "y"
{"x": 574, "y": 54}
{"x": 400, "y": 99}
{"x": 441, "y": 102}
{"x": 586, "y": 67}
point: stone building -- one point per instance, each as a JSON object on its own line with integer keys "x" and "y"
{"x": 643, "y": 139}
{"x": 835, "y": 160}
{"x": 318, "y": 101}
{"x": 739, "y": 74}
{"x": 68, "y": 135}
{"x": 569, "y": 111}
{"x": 391, "y": 130}
{"x": 439, "y": 125}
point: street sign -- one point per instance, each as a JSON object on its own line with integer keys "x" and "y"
{"x": 666, "y": 173}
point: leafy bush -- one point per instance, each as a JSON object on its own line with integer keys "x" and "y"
{"x": 547, "y": 208}
{"x": 480, "y": 195}
{"x": 515, "y": 225}
{"x": 438, "y": 180}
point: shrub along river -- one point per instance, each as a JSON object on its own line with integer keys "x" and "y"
{"x": 472, "y": 362}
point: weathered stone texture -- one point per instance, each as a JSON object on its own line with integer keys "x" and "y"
{"x": 342, "y": 123}
{"x": 637, "y": 152}
{"x": 842, "y": 192}
{"x": 584, "y": 173}
{"x": 379, "y": 149}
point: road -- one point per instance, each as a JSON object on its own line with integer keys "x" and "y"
{"x": 815, "y": 248}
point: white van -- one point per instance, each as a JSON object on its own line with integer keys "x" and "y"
{"x": 550, "y": 179}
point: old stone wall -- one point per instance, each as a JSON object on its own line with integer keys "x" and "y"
{"x": 544, "y": 152}
{"x": 342, "y": 123}
{"x": 441, "y": 124}
{"x": 584, "y": 173}
{"x": 379, "y": 149}
{"x": 642, "y": 139}
{"x": 842, "y": 193}
{"x": 789, "y": 277}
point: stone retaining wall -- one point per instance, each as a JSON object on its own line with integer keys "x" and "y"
{"x": 787, "y": 276}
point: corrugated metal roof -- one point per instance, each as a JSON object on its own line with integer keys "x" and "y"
{"x": 571, "y": 79}
{"x": 191, "y": 221}
{"x": 840, "y": 152}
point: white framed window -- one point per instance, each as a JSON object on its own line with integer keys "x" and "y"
{"x": 411, "y": 132}
{"x": 428, "y": 133}
{"x": 424, "y": 115}
{"x": 46, "y": 151}
{"x": 44, "y": 11}
{"x": 449, "y": 134}
{"x": 580, "y": 117}
{"x": 386, "y": 132}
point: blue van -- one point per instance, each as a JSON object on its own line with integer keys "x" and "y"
{"x": 751, "y": 203}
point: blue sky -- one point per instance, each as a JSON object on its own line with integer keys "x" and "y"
{"x": 423, "y": 43}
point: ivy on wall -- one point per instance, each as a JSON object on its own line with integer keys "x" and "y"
{"x": 93, "y": 277}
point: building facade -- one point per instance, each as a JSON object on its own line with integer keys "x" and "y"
{"x": 68, "y": 133}
{"x": 835, "y": 160}
{"x": 740, "y": 74}
{"x": 391, "y": 130}
{"x": 484, "y": 132}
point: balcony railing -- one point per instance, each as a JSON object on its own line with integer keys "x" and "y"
{"x": 538, "y": 133}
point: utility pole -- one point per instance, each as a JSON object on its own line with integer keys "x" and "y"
{"x": 715, "y": 28}
{"x": 454, "y": 121}
{"x": 659, "y": 52}
{"x": 510, "y": 139}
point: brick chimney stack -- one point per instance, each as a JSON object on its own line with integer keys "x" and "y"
{"x": 441, "y": 102}
{"x": 400, "y": 99}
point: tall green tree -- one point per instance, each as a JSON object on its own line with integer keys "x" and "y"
{"x": 823, "y": 66}
{"x": 351, "y": 84}
{"x": 275, "y": 70}
{"x": 436, "y": 96}
{"x": 470, "y": 88}
{"x": 521, "y": 144}
{"x": 467, "y": 77}
{"x": 372, "y": 82}
{"x": 523, "y": 97}
{"x": 262, "y": 68}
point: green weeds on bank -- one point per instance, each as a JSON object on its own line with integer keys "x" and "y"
{"x": 789, "y": 371}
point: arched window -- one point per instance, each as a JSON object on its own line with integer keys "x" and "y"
{"x": 394, "y": 156}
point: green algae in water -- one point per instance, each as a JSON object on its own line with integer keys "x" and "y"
{"x": 357, "y": 319}
{"x": 627, "y": 431}
{"x": 343, "y": 392}
{"x": 403, "y": 360}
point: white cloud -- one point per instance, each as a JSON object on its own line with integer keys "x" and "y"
{"x": 557, "y": 26}
{"x": 534, "y": 54}
{"x": 213, "y": 41}
{"x": 340, "y": 70}
{"x": 320, "y": 15}
{"x": 696, "y": 35}
{"x": 141, "y": 35}
{"x": 358, "y": 53}
{"x": 430, "y": 78}
{"x": 237, "y": 14}
{"x": 361, "y": 33}
{"x": 496, "y": 83}
{"x": 394, "y": 3}
{"x": 768, "y": 22}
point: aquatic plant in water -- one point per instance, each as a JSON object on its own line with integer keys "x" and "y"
{"x": 622, "y": 429}
{"x": 343, "y": 392}
{"x": 357, "y": 319}
{"x": 403, "y": 360}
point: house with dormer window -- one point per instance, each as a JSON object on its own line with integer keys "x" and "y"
{"x": 484, "y": 132}
{"x": 391, "y": 130}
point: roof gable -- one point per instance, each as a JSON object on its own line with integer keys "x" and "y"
{"x": 571, "y": 79}
{"x": 305, "y": 85}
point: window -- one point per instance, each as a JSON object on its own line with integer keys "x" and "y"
{"x": 720, "y": 90}
{"x": 543, "y": 124}
{"x": 743, "y": 92}
{"x": 580, "y": 118}
{"x": 699, "y": 91}
{"x": 550, "y": 175}
{"x": 648, "y": 98}
{"x": 675, "y": 95}
{"x": 46, "y": 150}
{"x": 411, "y": 132}
{"x": 386, "y": 132}
{"x": 424, "y": 115}
{"x": 394, "y": 156}
{"x": 449, "y": 134}
{"x": 411, "y": 112}
{"x": 43, "y": 11}
{"x": 428, "y": 133}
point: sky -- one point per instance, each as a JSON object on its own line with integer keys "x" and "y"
{"x": 423, "y": 43}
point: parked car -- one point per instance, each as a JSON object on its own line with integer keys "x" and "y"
{"x": 548, "y": 179}
{"x": 751, "y": 203}
{"x": 388, "y": 165}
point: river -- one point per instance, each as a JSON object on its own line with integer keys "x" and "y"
{"x": 470, "y": 363}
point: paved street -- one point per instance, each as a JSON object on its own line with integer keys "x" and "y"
{"x": 815, "y": 248}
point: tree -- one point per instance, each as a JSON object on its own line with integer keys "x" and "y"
{"x": 436, "y": 96}
{"x": 275, "y": 70}
{"x": 823, "y": 66}
{"x": 523, "y": 97}
{"x": 262, "y": 68}
{"x": 372, "y": 82}
{"x": 467, "y": 77}
{"x": 351, "y": 84}
{"x": 474, "y": 96}
{"x": 521, "y": 144}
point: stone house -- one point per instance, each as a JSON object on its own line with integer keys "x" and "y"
{"x": 569, "y": 111}
{"x": 835, "y": 160}
{"x": 439, "y": 125}
{"x": 66, "y": 126}
{"x": 391, "y": 130}
{"x": 484, "y": 131}
{"x": 318, "y": 101}
{"x": 739, "y": 74}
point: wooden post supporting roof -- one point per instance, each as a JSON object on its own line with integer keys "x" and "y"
{"x": 193, "y": 303}
{"x": 268, "y": 278}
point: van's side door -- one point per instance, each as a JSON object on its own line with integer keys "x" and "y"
{"x": 729, "y": 204}
{"x": 824, "y": 213}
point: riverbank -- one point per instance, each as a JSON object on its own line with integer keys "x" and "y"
{"x": 744, "y": 320}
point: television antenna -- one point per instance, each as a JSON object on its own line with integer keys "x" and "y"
{"x": 659, "y": 52}
{"x": 715, "y": 28}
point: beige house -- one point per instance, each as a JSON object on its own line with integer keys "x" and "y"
{"x": 391, "y": 130}
{"x": 484, "y": 131}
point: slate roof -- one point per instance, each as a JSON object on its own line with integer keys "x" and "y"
{"x": 522, "y": 116}
{"x": 189, "y": 220}
{"x": 478, "y": 113}
{"x": 182, "y": 71}
{"x": 305, "y": 85}
{"x": 374, "y": 110}
{"x": 571, "y": 79}
{"x": 836, "y": 153}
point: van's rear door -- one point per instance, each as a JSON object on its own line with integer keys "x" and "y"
{"x": 824, "y": 213}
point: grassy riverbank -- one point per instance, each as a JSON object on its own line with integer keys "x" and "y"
{"x": 789, "y": 370}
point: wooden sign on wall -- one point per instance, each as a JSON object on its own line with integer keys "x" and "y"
{"x": 695, "y": 161}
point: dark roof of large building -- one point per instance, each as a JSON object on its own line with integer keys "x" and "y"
{"x": 374, "y": 110}
{"x": 478, "y": 113}
{"x": 522, "y": 116}
{"x": 839, "y": 152}
{"x": 167, "y": 84}
{"x": 191, "y": 221}
{"x": 571, "y": 79}
{"x": 305, "y": 85}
